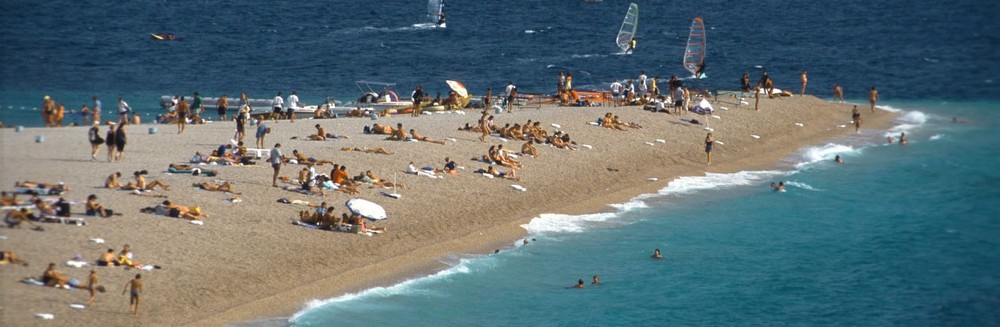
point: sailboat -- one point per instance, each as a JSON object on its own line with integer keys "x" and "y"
{"x": 435, "y": 11}
{"x": 629, "y": 26}
{"x": 694, "y": 53}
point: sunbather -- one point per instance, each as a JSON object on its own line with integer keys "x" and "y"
{"x": 320, "y": 134}
{"x": 96, "y": 209}
{"x": 496, "y": 173}
{"x": 8, "y": 199}
{"x": 379, "y": 150}
{"x": 10, "y": 257}
{"x": 108, "y": 259}
{"x": 224, "y": 187}
{"x": 57, "y": 187}
{"x": 398, "y": 134}
{"x": 141, "y": 184}
{"x": 419, "y": 137}
{"x": 382, "y": 129}
{"x": 529, "y": 149}
{"x": 53, "y": 278}
{"x": 303, "y": 159}
{"x": 112, "y": 180}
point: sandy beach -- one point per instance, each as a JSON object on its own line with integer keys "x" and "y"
{"x": 249, "y": 262}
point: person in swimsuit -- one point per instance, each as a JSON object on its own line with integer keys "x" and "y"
{"x": 872, "y": 97}
{"x": 579, "y": 283}
{"x": 656, "y": 254}
{"x": 120, "y": 139}
{"x": 223, "y": 105}
{"x": 109, "y": 140}
{"x": 182, "y": 112}
{"x": 805, "y": 80}
{"x": 838, "y": 93}
{"x": 709, "y": 144}
{"x": 596, "y": 280}
{"x": 856, "y": 118}
{"x": 136, "y": 286}
{"x": 10, "y": 257}
{"x": 419, "y": 137}
{"x": 94, "y": 136}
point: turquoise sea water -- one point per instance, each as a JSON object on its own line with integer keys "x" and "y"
{"x": 897, "y": 235}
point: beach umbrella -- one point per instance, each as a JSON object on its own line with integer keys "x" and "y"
{"x": 366, "y": 209}
{"x": 458, "y": 88}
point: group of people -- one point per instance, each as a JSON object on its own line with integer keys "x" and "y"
{"x": 115, "y": 139}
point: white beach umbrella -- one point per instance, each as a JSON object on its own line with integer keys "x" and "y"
{"x": 366, "y": 209}
{"x": 458, "y": 88}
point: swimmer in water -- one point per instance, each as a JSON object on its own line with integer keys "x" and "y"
{"x": 656, "y": 254}
{"x": 890, "y": 139}
{"x": 838, "y": 160}
{"x": 902, "y": 139}
{"x": 597, "y": 280}
{"x": 778, "y": 187}
{"x": 579, "y": 283}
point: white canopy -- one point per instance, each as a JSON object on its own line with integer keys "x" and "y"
{"x": 366, "y": 209}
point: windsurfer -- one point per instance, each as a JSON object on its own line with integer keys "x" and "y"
{"x": 700, "y": 73}
{"x": 631, "y": 45}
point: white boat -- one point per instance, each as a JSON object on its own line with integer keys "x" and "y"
{"x": 435, "y": 12}
{"x": 694, "y": 53}
{"x": 629, "y": 26}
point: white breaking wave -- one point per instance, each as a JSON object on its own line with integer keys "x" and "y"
{"x": 406, "y": 287}
{"x": 561, "y": 223}
{"x": 936, "y": 137}
{"x": 908, "y": 121}
{"x": 803, "y": 186}
{"x": 823, "y": 153}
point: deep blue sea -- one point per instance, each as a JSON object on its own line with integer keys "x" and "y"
{"x": 903, "y": 236}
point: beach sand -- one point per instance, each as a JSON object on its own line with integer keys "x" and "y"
{"x": 249, "y": 262}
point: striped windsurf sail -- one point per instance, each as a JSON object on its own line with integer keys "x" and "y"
{"x": 629, "y": 26}
{"x": 694, "y": 53}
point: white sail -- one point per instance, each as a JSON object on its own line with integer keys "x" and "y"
{"x": 629, "y": 26}
{"x": 434, "y": 9}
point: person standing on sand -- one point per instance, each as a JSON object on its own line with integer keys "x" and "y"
{"x": 97, "y": 109}
{"x": 123, "y": 111}
{"x": 94, "y": 136}
{"x": 805, "y": 80}
{"x": 293, "y": 103}
{"x": 418, "y": 95}
{"x": 120, "y": 139}
{"x": 277, "y": 104}
{"x": 48, "y": 108}
{"x": 568, "y": 86}
{"x": 482, "y": 126}
{"x": 709, "y": 144}
{"x": 222, "y": 106}
{"x": 756, "y": 98}
{"x": 196, "y": 106}
{"x": 93, "y": 287}
{"x": 109, "y": 140}
{"x": 261, "y": 132}
{"x": 856, "y": 118}
{"x": 136, "y": 286}
{"x": 745, "y": 83}
{"x": 488, "y": 100}
{"x": 838, "y": 93}
{"x": 562, "y": 83}
{"x": 642, "y": 83}
{"x": 241, "y": 121}
{"x": 182, "y": 112}
{"x": 276, "y": 160}
{"x": 652, "y": 86}
{"x": 511, "y": 92}
{"x": 873, "y": 97}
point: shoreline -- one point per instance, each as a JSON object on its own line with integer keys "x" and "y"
{"x": 402, "y": 253}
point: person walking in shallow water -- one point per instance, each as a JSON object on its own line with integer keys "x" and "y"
{"x": 805, "y": 80}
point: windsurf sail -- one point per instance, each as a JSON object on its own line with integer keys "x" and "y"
{"x": 629, "y": 26}
{"x": 694, "y": 54}
{"x": 434, "y": 9}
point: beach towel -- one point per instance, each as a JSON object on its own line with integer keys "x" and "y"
{"x": 58, "y": 190}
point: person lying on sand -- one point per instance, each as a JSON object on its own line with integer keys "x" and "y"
{"x": 379, "y": 150}
{"x": 177, "y": 211}
{"x": 512, "y": 175}
{"x": 419, "y": 137}
{"x": 59, "y": 187}
{"x": 377, "y": 181}
{"x": 381, "y": 129}
{"x": 224, "y": 187}
{"x": 141, "y": 184}
{"x": 53, "y": 278}
{"x": 618, "y": 122}
{"x": 9, "y": 257}
{"x": 303, "y": 159}
{"x": 561, "y": 141}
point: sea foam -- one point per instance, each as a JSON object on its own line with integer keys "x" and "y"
{"x": 816, "y": 154}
